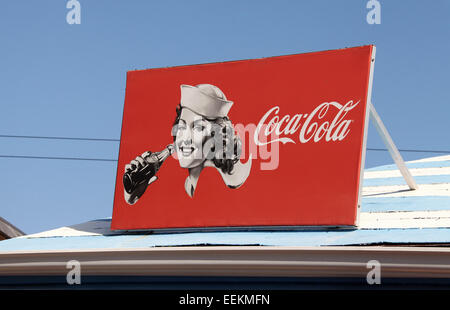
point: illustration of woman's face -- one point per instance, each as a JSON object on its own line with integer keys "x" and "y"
{"x": 190, "y": 135}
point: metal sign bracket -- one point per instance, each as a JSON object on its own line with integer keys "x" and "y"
{"x": 390, "y": 145}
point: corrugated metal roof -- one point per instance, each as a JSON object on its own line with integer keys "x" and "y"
{"x": 390, "y": 213}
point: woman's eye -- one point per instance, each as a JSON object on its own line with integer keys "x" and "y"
{"x": 199, "y": 128}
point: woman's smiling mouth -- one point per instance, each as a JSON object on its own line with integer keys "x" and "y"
{"x": 186, "y": 150}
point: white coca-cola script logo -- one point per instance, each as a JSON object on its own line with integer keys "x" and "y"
{"x": 311, "y": 126}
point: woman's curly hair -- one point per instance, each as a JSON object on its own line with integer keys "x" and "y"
{"x": 221, "y": 162}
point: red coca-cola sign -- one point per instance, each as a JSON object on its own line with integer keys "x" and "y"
{"x": 272, "y": 142}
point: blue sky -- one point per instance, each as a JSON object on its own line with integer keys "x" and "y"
{"x": 67, "y": 80}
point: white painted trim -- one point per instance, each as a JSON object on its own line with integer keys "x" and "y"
{"x": 406, "y": 219}
{"x": 91, "y": 228}
{"x": 440, "y": 189}
{"x": 431, "y": 159}
{"x": 415, "y": 172}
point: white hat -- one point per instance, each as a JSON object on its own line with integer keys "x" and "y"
{"x": 206, "y": 100}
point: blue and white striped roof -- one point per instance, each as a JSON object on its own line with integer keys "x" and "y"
{"x": 390, "y": 214}
{"x": 388, "y": 203}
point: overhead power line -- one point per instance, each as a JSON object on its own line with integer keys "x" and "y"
{"x": 118, "y": 140}
{"x": 115, "y": 160}
{"x": 412, "y": 151}
{"x": 59, "y": 138}
{"x": 62, "y": 158}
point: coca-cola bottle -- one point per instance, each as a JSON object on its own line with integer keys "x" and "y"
{"x": 132, "y": 179}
